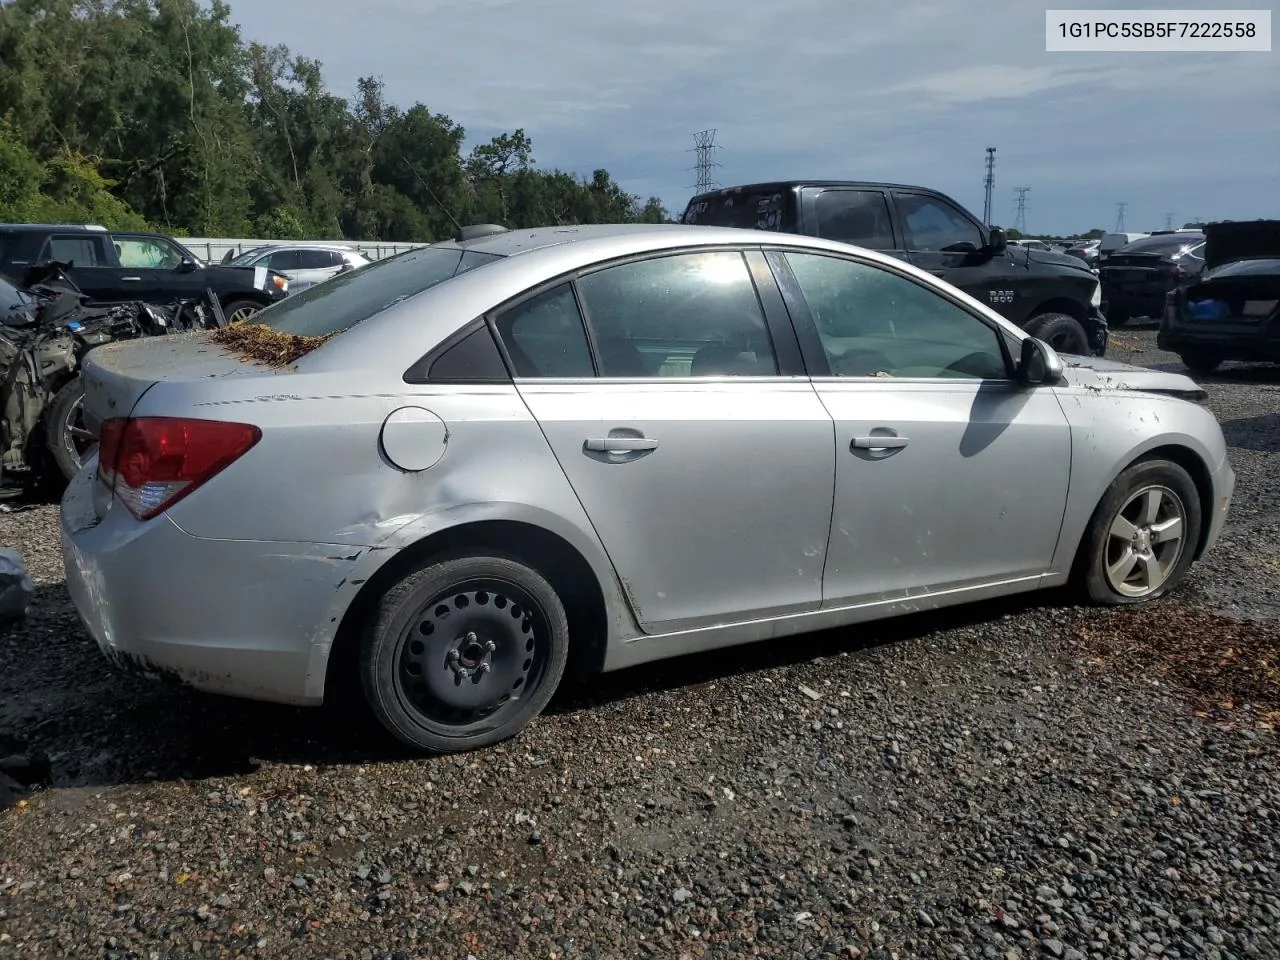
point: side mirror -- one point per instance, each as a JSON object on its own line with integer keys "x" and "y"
{"x": 186, "y": 266}
{"x": 1039, "y": 364}
{"x": 997, "y": 241}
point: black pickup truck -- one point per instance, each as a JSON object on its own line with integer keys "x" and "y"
{"x": 1053, "y": 296}
{"x": 110, "y": 266}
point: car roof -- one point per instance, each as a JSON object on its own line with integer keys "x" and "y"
{"x": 768, "y": 185}
{"x": 42, "y": 227}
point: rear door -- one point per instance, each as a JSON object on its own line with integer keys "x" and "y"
{"x": 682, "y": 418}
{"x": 314, "y": 266}
{"x": 94, "y": 268}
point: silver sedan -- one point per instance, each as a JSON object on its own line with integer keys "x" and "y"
{"x": 621, "y": 442}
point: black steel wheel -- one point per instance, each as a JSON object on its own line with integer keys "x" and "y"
{"x": 464, "y": 653}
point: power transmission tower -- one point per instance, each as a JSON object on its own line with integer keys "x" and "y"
{"x": 989, "y": 184}
{"x": 705, "y": 146}
{"x": 1020, "y": 218}
{"x": 1168, "y": 221}
{"x": 1120, "y": 208}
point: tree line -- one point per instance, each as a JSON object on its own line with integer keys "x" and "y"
{"x": 156, "y": 113}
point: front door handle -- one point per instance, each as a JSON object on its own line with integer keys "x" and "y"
{"x": 620, "y": 444}
{"x": 130, "y": 278}
{"x": 879, "y": 443}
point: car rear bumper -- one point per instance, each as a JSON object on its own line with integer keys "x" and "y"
{"x": 1227, "y": 341}
{"x": 1135, "y": 303}
{"x": 250, "y": 619}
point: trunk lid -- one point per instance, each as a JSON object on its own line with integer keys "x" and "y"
{"x": 1245, "y": 240}
{"x": 116, "y": 375}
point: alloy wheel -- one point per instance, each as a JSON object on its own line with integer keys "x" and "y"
{"x": 1145, "y": 541}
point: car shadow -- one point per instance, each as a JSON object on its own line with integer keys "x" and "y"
{"x": 102, "y": 727}
{"x": 1261, "y": 433}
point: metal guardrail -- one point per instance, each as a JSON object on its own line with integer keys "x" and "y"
{"x": 213, "y": 249}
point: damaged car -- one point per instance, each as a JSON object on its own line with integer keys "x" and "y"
{"x": 605, "y": 445}
{"x": 1233, "y": 311}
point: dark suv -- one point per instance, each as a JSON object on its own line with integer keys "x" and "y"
{"x": 1052, "y": 296}
{"x": 111, "y": 266}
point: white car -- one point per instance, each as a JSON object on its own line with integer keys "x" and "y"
{"x": 305, "y": 264}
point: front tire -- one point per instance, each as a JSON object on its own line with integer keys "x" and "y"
{"x": 1143, "y": 535}
{"x": 464, "y": 653}
{"x": 1062, "y": 332}
{"x": 238, "y": 311}
{"x": 1201, "y": 364}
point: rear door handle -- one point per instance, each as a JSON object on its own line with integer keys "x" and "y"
{"x": 620, "y": 444}
{"x": 879, "y": 443}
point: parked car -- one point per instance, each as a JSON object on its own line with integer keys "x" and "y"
{"x": 1087, "y": 251}
{"x": 1136, "y": 278}
{"x": 1031, "y": 244}
{"x": 305, "y": 264}
{"x": 629, "y": 442}
{"x": 1112, "y": 242}
{"x": 1050, "y": 295}
{"x": 1233, "y": 311}
{"x": 117, "y": 266}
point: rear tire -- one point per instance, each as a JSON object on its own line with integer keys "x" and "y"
{"x": 64, "y": 418}
{"x": 1142, "y": 537}
{"x": 1062, "y": 332}
{"x": 464, "y": 653}
{"x": 1200, "y": 363}
{"x": 238, "y": 311}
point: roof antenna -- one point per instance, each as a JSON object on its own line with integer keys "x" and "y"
{"x": 438, "y": 201}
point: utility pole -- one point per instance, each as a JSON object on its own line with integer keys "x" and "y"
{"x": 1020, "y": 218}
{"x": 989, "y": 184}
{"x": 1120, "y": 208}
{"x": 705, "y": 146}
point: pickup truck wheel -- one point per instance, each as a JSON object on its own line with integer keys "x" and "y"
{"x": 237, "y": 311}
{"x": 69, "y": 443}
{"x": 1200, "y": 363}
{"x": 1062, "y": 332}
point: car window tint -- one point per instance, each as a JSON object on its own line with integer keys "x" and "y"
{"x": 283, "y": 260}
{"x": 353, "y": 297}
{"x": 145, "y": 252}
{"x": 859, "y": 217}
{"x": 691, "y": 314}
{"x": 316, "y": 259}
{"x": 544, "y": 336}
{"x": 80, "y": 251}
{"x": 932, "y": 224}
{"x": 873, "y": 322}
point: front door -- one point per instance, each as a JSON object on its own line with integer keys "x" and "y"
{"x": 931, "y": 224}
{"x": 704, "y": 467}
{"x": 949, "y": 474}
{"x": 154, "y": 266}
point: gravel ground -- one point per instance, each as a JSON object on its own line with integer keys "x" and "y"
{"x": 975, "y": 784}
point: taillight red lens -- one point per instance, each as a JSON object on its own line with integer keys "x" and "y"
{"x": 153, "y": 462}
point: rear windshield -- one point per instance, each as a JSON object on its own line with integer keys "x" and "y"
{"x": 349, "y": 298}
{"x": 766, "y": 210}
{"x": 1164, "y": 243}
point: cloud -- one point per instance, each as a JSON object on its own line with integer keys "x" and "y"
{"x": 911, "y": 92}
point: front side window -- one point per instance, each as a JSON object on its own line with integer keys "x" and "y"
{"x": 146, "y": 252}
{"x": 933, "y": 224}
{"x": 353, "y": 297}
{"x": 682, "y": 315}
{"x": 544, "y": 336}
{"x": 876, "y": 323}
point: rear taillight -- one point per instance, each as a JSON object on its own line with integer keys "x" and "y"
{"x": 153, "y": 462}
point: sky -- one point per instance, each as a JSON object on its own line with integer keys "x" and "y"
{"x": 911, "y": 91}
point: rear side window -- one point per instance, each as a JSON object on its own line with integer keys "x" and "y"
{"x": 860, "y": 217}
{"x": 544, "y": 336}
{"x": 78, "y": 250}
{"x": 352, "y": 297}
{"x": 766, "y": 210}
